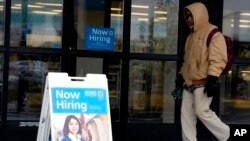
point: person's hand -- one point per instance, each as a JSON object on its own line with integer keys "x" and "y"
{"x": 179, "y": 81}
{"x": 212, "y": 86}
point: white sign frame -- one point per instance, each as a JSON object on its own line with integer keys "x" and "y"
{"x": 50, "y": 125}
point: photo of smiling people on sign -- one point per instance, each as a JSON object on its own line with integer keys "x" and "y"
{"x": 81, "y": 127}
{"x": 71, "y": 129}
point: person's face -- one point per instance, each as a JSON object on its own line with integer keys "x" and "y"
{"x": 73, "y": 126}
{"x": 189, "y": 19}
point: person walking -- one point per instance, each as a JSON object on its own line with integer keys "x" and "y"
{"x": 199, "y": 75}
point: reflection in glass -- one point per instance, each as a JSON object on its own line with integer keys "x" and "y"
{"x": 235, "y": 96}
{"x": 86, "y": 65}
{"x": 87, "y": 13}
{"x": 112, "y": 69}
{"x": 235, "y": 90}
{"x": 1, "y": 22}
{"x": 36, "y": 23}
{"x": 150, "y": 84}
{"x": 117, "y": 23}
{"x": 27, "y": 75}
{"x": 1, "y": 84}
{"x": 243, "y": 49}
{"x": 236, "y": 24}
{"x": 114, "y": 83}
{"x": 154, "y": 26}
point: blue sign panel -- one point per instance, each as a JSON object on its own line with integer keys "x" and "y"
{"x": 79, "y": 100}
{"x": 99, "y": 38}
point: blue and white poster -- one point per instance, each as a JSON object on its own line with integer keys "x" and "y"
{"x": 75, "y": 108}
{"x": 82, "y": 109}
{"x": 98, "y": 38}
{"x": 79, "y": 100}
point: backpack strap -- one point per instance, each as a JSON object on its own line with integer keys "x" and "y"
{"x": 211, "y": 34}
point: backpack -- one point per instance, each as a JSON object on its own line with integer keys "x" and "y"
{"x": 229, "y": 44}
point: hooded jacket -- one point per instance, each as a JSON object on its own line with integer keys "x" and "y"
{"x": 200, "y": 60}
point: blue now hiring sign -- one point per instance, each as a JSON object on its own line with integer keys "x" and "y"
{"x": 79, "y": 100}
{"x": 97, "y": 38}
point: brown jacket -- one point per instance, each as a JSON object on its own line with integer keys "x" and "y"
{"x": 200, "y": 60}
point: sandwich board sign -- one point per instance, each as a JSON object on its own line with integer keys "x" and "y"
{"x": 75, "y": 108}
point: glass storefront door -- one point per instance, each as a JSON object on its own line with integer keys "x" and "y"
{"x": 27, "y": 75}
{"x": 235, "y": 98}
{"x": 1, "y": 54}
{"x": 34, "y": 24}
{"x": 148, "y": 60}
{"x": 91, "y": 13}
{"x": 153, "y": 31}
{"x": 1, "y": 84}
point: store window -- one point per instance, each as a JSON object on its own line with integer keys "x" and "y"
{"x": 36, "y": 23}
{"x": 1, "y": 21}
{"x": 86, "y": 65}
{"x": 153, "y": 31}
{"x": 150, "y": 85}
{"x": 154, "y": 26}
{"x": 116, "y": 18}
{"x": 91, "y": 13}
{"x": 27, "y": 75}
{"x": 112, "y": 69}
{"x": 235, "y": 103}
{"x": 88, "y": 13}
{"x": 235, "y": 89}
{"x": 1, "y": 83}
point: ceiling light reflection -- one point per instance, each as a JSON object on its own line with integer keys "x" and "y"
{"x": 49, "y": 4}
{"x": 45, "y": 12}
